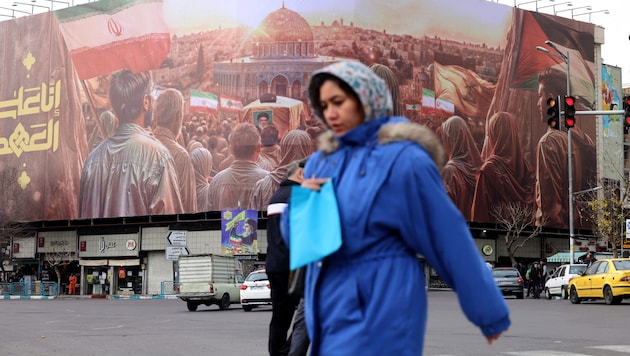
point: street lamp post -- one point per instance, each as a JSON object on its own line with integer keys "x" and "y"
{"x": 52, "y": 3}
{"x": 565, "y": 57}
{"x": 528, "y": 2}
{"x": 590, "y": 13}
{"x": 573, "y": 9}
{"x": 14, "y": 11}
{"x": 568, "y": 3}
{"x": 15, "y": 3}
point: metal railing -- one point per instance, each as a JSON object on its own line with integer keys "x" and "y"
{"x": 169, "y": 288}
{"x": 32, "y": 288}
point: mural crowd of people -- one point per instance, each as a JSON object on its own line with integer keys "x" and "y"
{"x": 163, "y": 160}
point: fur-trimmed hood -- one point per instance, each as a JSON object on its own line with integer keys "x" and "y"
{"x": 399, "y": 131}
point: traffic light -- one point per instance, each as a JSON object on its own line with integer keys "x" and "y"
{"x": 553, "y": 113}
{"x": 569, "y": 111}
{"x": 626, "y": 115}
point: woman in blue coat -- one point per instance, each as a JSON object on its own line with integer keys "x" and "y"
{"x": 369, "y": 296}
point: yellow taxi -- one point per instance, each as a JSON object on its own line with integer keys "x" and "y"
{"x": 607, "y": 279}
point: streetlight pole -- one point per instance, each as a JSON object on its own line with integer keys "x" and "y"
{"x": 590, "y": 13}
{"x": 52, "y": 3}
{"x": 565, "y": 57}
{"x": 573, "y": 9}
{"x": 15, "y": 3}
{"x": 528, "y": 2}
{"x": 14, "y": 11}
{"x": 568, "y": 3}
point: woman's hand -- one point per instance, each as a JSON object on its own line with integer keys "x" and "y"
{"x": 492, "y": 338}
{"x": 314, "y": 183}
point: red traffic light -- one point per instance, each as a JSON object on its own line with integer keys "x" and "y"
{"x": 552, "y": 101}
{"x": 569, "y": 101}
{"x": 569, "y": 111}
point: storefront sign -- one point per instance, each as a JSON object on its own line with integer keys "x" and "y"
{"x": 105, "y": 245}
{"x": 114, "y": 245}
{"x": 131, "y": 245}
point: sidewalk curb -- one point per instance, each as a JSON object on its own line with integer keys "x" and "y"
{"x": 117, "y": 296}
{"x": 76, "y": 297}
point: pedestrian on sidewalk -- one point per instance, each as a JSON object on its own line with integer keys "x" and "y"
{"x": 72, "y": 284}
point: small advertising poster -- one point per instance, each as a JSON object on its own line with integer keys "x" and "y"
{"x": 239, "y": 232}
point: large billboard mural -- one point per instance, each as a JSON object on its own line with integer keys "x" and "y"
{"x": 472, "y": 74}
{"x": 612, "y": 125}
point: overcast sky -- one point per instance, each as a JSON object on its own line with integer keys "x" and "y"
{"x": 428, "y": 17}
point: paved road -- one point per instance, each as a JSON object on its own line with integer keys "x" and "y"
{"x": 165, "y": 327}
{"x": 128, "y": 327}
{"x": 540, "y": 327}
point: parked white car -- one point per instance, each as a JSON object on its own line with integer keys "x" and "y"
{"x": 256, "y": 290}
{"x": 559, "y": 280}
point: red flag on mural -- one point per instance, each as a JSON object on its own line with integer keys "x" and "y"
{"x": 571, "y": 41}
{"x": 106, "y": 36}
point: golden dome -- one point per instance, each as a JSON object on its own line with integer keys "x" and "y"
{"x": 283, "y": 25}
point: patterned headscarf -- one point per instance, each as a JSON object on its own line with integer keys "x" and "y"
{"x": 369, "y": 87}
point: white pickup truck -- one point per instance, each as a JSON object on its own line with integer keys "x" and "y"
{"x": 559, "y": 280}
{"x": 209, "y": 279}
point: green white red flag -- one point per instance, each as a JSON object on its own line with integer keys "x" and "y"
{"x": 200, "y": 101}
{"x": 231, "y": 104}
{"x": 433, "y": 106}
{"x": 105, "y": 36}
{"x": 428, "y": 101}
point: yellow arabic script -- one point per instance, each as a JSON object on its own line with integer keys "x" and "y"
{"x": 42, "y": 137}
{"x": 29, "y": 101}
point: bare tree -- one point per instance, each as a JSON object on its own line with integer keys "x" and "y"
{"x": 58, "y": 256}
{"x": 607, "y": 215}
{"x": 516, "y": 220}
{"x": 12, "y": 203}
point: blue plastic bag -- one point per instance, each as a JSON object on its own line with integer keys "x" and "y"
{"x": 315, "y": 226}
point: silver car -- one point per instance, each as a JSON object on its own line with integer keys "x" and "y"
{"x": 509, "y": 281}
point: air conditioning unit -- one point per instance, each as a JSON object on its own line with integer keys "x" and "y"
{"x": 268, "y": 98}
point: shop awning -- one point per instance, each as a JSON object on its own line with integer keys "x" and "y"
{"x": 564, "y": 256}
{"x": 121, "y": 263}
{"x": 83, "y": 262}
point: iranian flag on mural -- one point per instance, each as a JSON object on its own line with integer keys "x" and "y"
{"x": 428, "y": 101}
{"x": 444, "y": 106}
{"x": 106, "y": 36}
{"x": 200, "y": 101}
{"x": 433, "y": 106}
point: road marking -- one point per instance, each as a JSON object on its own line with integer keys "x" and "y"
{"x": 616, "y": 348}
{"x": 109, "y": 327}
